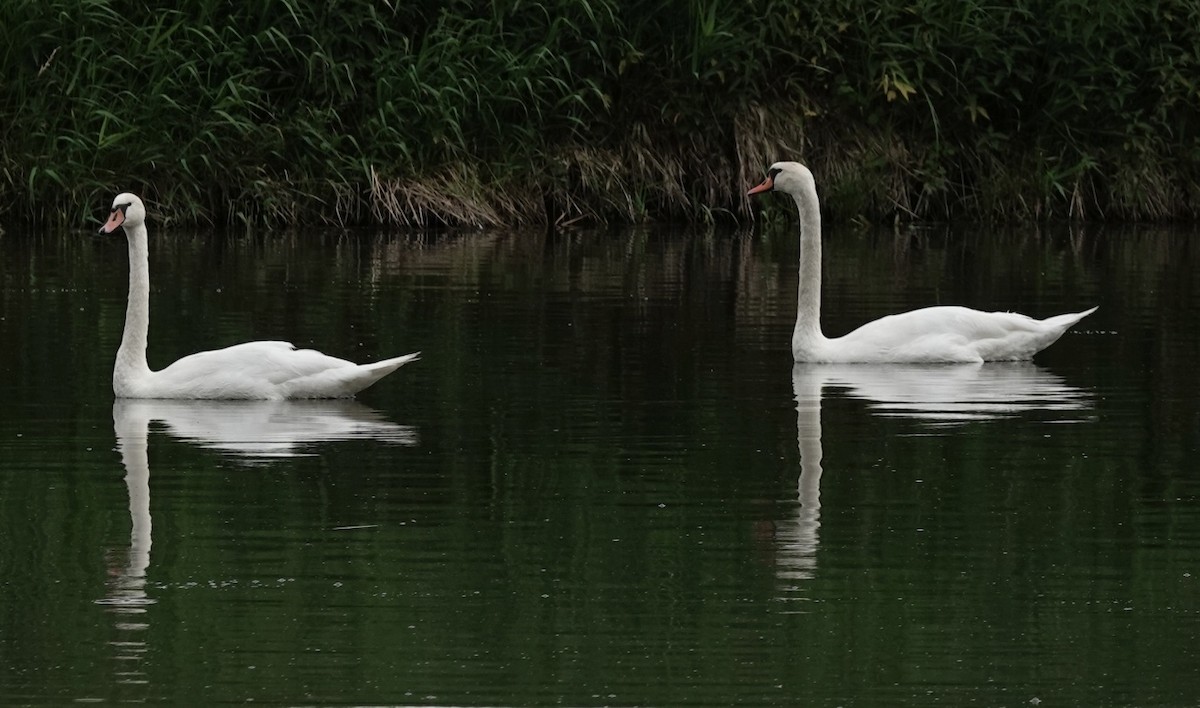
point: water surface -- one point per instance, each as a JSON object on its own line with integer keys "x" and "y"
{"x": 605, "y": 483}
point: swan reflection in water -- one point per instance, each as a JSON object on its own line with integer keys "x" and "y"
{"x": 259, "y": 430}
{"x": 255, "y": 431}
{"x": 941, "y": 396}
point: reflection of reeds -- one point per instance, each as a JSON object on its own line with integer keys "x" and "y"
{"x": 417, "y": 113}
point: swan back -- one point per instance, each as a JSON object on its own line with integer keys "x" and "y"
{"x": 944, "y": 334}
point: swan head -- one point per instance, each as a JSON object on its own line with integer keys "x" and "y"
{"x": 788, "y": 177}
{"x": 127, "y": 211}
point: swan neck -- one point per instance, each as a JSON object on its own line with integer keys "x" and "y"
{"x": 131, "y": 356}
{"x": 808, "y": 305}
{"x": 130, "y": 425}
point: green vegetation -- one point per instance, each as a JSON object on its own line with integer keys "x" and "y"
{"x": 418, "y": 113}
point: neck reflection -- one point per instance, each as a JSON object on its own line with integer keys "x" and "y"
{"x": 257, "y": 431}
{"x": 942, "y": 397}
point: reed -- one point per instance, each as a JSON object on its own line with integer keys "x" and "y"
{"x": 461, "y": 112}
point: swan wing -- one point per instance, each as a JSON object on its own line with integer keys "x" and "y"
{"x": 264, "y": 370}
{"x": 342, "y": 381}
{"x": 952, "y": 334}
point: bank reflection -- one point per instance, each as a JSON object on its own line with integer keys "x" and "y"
{"x": 940, "y": 396}
{"x": 255, "y": 431}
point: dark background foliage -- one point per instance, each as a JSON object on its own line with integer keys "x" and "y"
{"x": 418, "y": 113}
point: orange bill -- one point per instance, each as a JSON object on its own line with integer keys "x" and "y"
{"x": 767, "y": 185}
{"x": 115, "y": 219}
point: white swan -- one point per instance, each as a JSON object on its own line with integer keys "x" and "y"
{"x": 929, "y": 335}
{"x": 254, "y": 370}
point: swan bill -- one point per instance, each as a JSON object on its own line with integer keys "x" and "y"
{"x": 115, "y": 219}
{"x": 767, "y": 185}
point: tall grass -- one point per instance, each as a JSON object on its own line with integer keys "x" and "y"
{"x": 418, "y": 113}
{"x": 1017, "y": 110}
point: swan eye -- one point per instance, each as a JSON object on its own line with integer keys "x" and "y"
{"x": 773, "y": 173}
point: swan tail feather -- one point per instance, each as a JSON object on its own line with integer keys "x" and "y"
{"x": 344, "y": 382}
{"x": 1055, "y": 327}
{"x": 390, "y": 365}
{"x": 1061, "y": 323}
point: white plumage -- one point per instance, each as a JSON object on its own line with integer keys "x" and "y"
{"x": 254, "y": 370}
{"x": 929, "y": 335}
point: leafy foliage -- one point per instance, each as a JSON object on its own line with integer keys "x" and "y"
{"x": 361, "y": 111}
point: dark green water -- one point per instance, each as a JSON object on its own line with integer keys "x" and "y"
{"x": 605, "y": 483}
